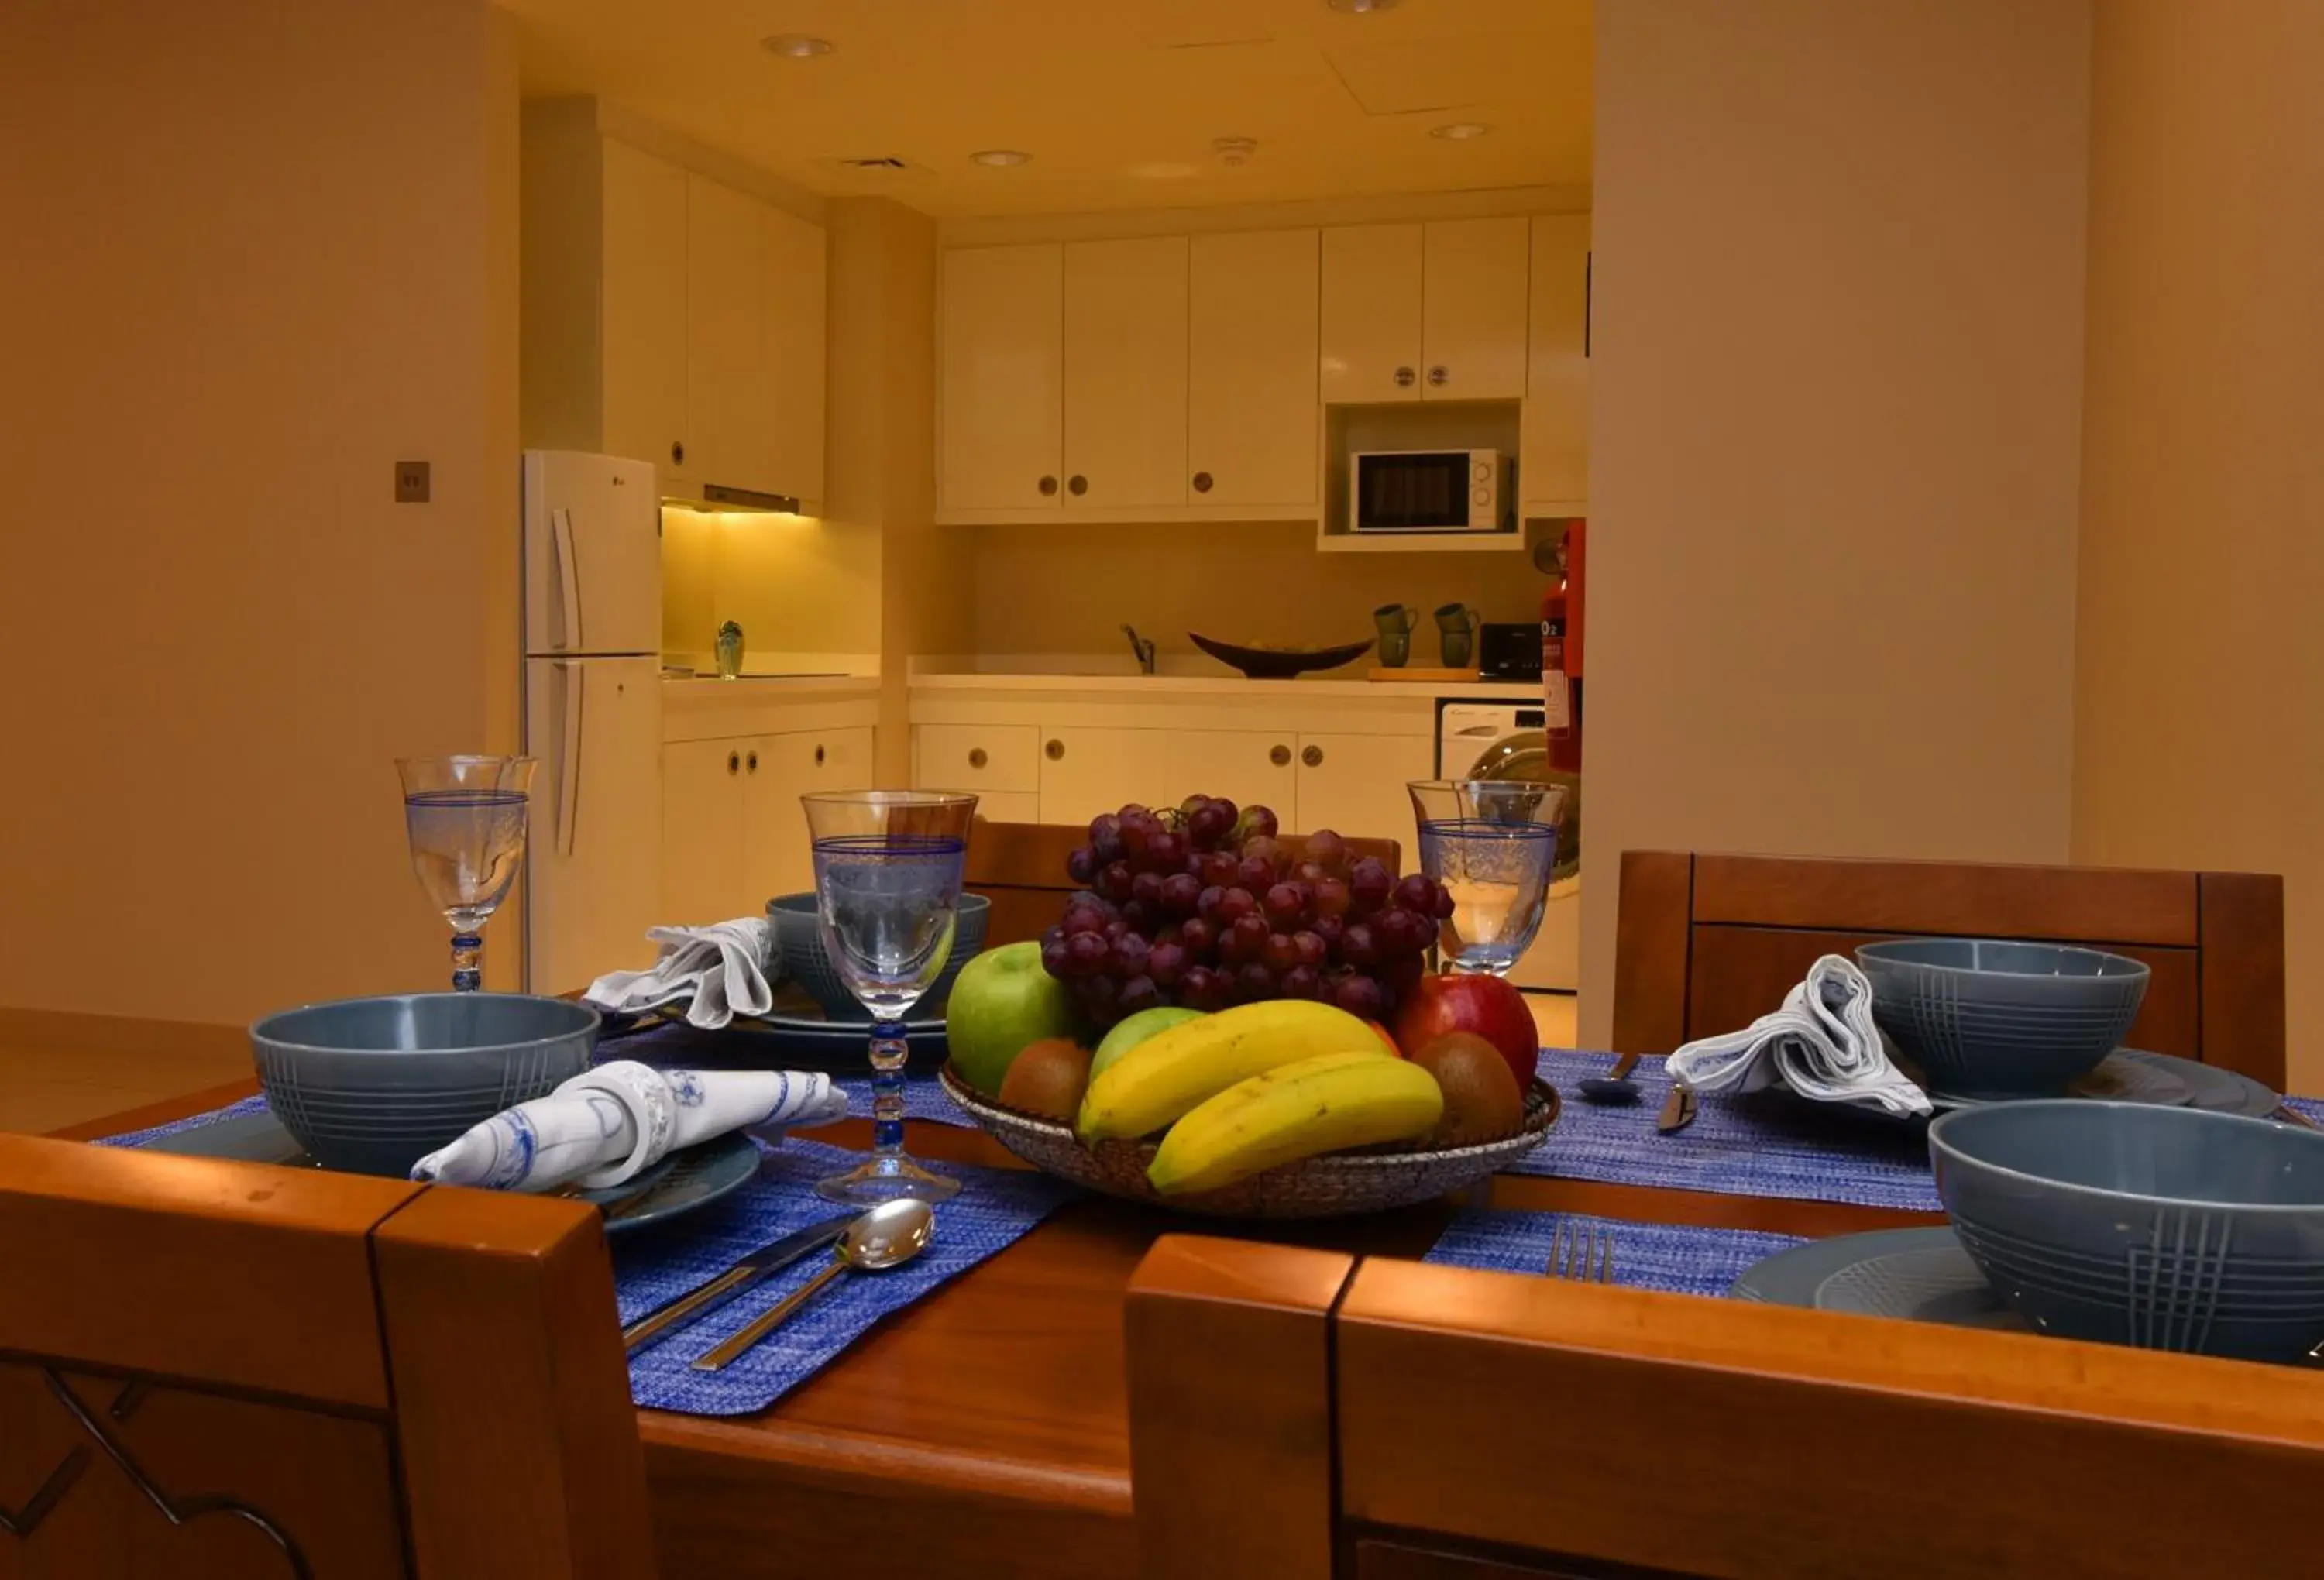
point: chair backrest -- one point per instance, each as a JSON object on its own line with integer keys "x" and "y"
{"x": 1483, "y": 1426}
{"x": 212, "y": 1368}
{"x": 1021, "y": 867}
{"x": 1707, "y": 943}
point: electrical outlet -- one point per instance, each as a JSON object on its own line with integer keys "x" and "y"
{"x": 412, "y": 482}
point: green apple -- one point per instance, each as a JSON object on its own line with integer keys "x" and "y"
{"x": 1133, "y": 1029}
{"x": 1002, "y": 1003}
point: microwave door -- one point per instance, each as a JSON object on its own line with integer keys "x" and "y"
{"x": 1413, "y": 493}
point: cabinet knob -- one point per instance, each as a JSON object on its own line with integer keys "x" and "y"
{"x": 734, "y": 762}
{"x": 752, "y": 762}
{"x": 1077, "y": 484}
{"x": 1201, "y": 483}
{"x": 1055, "y": 749}
{"x": 1048, "y": 486}
{"x": 1438, "y": 375}
{"x": 1313, "y": 756}
{"x": 1280, "y": 755}
{"x": 818, "y": 754}
{"x": 677, "y": 452}
{"x": 976, "y": 759}
{"x": 1404, "y": 377}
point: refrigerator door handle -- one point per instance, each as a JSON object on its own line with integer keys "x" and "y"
{"x": 566, "y": 631}
{"x": 572, "y": 691}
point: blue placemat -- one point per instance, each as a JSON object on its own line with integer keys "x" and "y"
{"x": 254, "y": 1104}
{"x": 1675, "y": 1258}
{"x": 688, "y": 1047}
{"x": 995, "y": 1206}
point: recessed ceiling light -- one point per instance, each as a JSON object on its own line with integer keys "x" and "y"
{"x": 1361, "y": 7}
{"x": 1000, "y": 156}
{"x": 1461, "y": 130}
{"x": 796, "y": 46}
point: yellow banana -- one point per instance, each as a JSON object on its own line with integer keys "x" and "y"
{"x": 1296, "y": 1110}
{"x": 1172, "y": 1070}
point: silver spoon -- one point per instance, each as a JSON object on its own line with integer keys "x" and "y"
{"x": 1617, "y": 1087}
{"x": 889, "y": 1235}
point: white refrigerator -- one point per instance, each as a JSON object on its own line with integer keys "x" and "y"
{"x": 592, "y": 640}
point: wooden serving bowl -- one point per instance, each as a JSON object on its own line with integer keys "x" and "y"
{"x": 1333, "y": 1186}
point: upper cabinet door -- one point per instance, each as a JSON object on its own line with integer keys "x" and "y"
{"x": 643, "y": 309}
{"x": 1003, "y": 377}
{"x": 729, "y": 398}
{"x": 1556, "y": 467}
{"x": 1474, "y": 333}
{"x": 793, "y": 352}
{"x": 1371, "y": 312}
{"x": 1252, "y": 305}
{"x": 1125, "y": 339}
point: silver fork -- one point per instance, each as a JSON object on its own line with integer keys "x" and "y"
{"x": 1583, "y": 1254}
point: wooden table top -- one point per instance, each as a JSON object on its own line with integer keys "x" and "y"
{"x": 999, "y": 1405}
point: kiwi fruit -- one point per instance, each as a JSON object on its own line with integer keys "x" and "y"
{"x": 1048, "y": 1078}
{"x": 1482, "y": 1100}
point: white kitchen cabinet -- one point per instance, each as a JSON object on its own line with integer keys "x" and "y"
{"x": 1372, "y": 281}
{"x": 1125, "y": 373}
{"x": 1554, "y": 475}
{"x": 701, "y": 831}
{"x": 794, "y": 291}
{"x": 777, "y": 850}
{"x": 1474, "y": 309}
{"x": 643, "y": 308}
{"x": 1251, "y": 326}
{"x": 728, "y": 393}
{"x": 1354, "y": 784}
{"x": 1089, "y": 770}
{"x": 986, "y": 759}
{"x": 1003, "y": 375}
{"x": 1008, "y": 806}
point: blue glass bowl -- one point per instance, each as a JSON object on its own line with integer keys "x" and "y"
{"x": 1985, "y": 1019}
{"x": 370, "y": 1085}
{"x": 2130, "y": 1223}
{"x": 798, "y": 947}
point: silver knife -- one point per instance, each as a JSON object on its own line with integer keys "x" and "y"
{"x": 758, "y": 1266}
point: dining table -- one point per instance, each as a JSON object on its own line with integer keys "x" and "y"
{"x": 985, "y": 1429}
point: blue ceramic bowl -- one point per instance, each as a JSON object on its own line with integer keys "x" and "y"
{"x": 2167, "y": 1228}
{"x": 1989, "y": 1019}
{"x": 799, "y": 946}
{"x": 370, "y": 1085}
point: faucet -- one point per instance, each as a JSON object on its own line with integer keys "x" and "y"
{"x": 1141, "y": 647}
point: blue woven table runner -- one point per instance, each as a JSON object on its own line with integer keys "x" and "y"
{"x": 1675, "y": 1258}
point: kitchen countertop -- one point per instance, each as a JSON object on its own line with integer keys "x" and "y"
{"x": 1180, "y": 686}
{"x": 771, "y": 686}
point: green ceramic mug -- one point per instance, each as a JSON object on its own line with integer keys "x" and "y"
{"x": 1395, "y": 623}
{"x": 1456, "y": 633}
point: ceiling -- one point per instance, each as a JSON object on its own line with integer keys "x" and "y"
{"x": 1119, "y": 101}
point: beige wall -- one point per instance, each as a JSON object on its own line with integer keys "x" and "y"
{"x": 795, "y": 585}
{"x": 1067, "y": 589}
{"x": 2200, "y": 728}
{"x": 1834, "y": 413}
{"x": 252, "y": 255}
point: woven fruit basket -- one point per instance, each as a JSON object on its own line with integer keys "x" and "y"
{"x": 1334, "y": 1185}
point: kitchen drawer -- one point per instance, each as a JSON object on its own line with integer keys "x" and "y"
{"x": 1008, "y": 806}
{"x": 977, "y": 757}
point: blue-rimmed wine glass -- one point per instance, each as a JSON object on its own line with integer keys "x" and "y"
{"x": 1492, "y": 843}
{"x": 888, "y": 870}
{"x": 464, "y": 817}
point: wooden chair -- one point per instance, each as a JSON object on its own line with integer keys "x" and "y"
{"x": 1021, "y": 867}
{"x": 1708, "y": 943}
{"x": 217, "y": 1369}
{"x": 1296, "y": 1419}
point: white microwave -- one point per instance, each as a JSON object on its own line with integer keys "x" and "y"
{"x": 1431, "y": 491}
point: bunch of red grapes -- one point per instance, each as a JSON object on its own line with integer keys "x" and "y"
{"x": 1203, "y": 906}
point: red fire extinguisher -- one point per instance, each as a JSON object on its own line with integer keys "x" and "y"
{"x": 1561, "y": 652}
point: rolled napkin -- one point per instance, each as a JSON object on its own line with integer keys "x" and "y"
{"x": 603, "y": 1125}
{"x": 722, "y": 969}
{"x": 1821, "y": 1044}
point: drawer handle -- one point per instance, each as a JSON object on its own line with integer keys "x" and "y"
{"x": 677, "y": 452}
{"x": 752, "y": 762}
{"x": 1048, "y": 486}
{"x": 1280, "y": 755}
{"x": 734, "y": 762}
{"x": 976, "y": 759}
{"x": 1438, "y": 375}
{"x": 818, "y": 754}
{"x": 1201, "y": 483}
{"x": 1313, "y": 756}
{"x": 1077, "y": 483}
{"x": 1404, "y": 377}
{"x": 1056, "y": 750}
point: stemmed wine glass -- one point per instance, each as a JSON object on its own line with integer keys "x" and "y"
{"x": 888, "y": 870}
{"x": 1492, "y": 843}
{"x": 464, "y": 817}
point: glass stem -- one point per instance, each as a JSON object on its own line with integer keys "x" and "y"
{"x": 888, "y": 1054}
{"x": 468, "y": 962}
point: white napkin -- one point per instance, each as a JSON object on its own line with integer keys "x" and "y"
{"x": 1821, "y": 1044}
{"x": 725, "y": 969}
{"x": 606, "y": 1124}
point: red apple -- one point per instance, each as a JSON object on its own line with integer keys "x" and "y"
{"x": 1485, "y": 1005}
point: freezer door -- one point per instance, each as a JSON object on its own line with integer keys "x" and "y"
{"x": 592, "y": 554}
{"x": 594, "y": 858}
